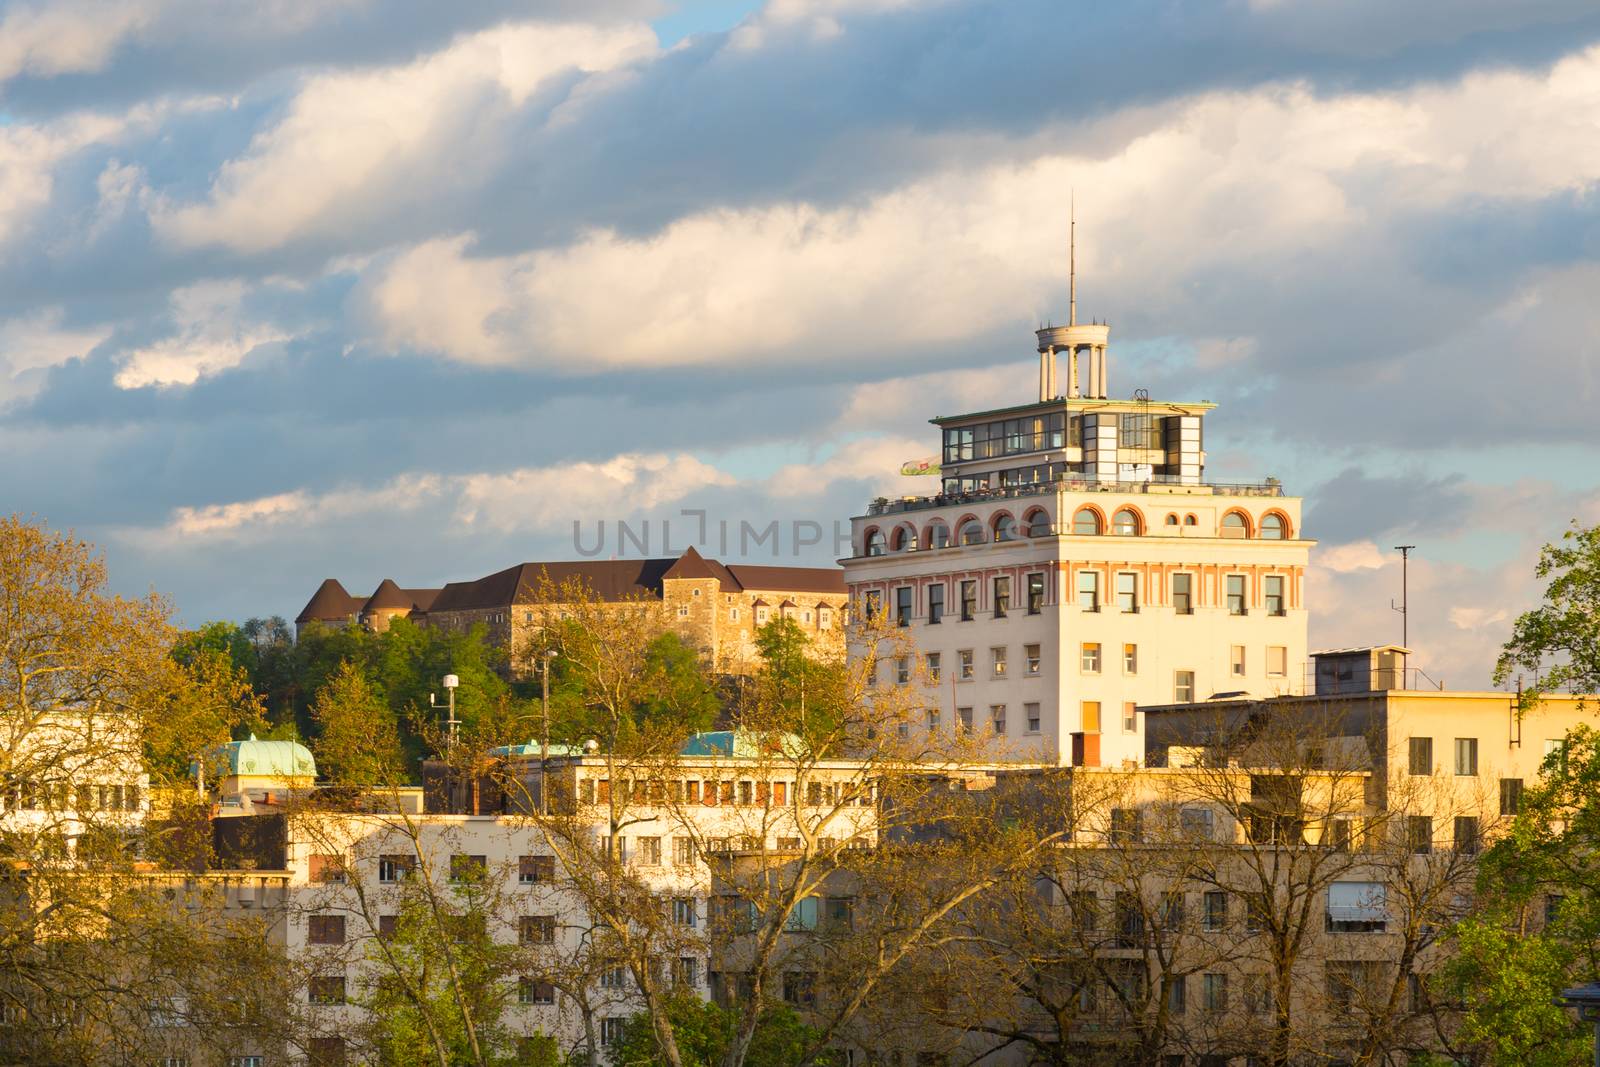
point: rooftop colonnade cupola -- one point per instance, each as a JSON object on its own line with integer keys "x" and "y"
{"x": 1076, "y": 564}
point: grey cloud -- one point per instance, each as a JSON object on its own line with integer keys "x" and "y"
{"x": 1357, "y": 505}
{"x": 205, "y": 47}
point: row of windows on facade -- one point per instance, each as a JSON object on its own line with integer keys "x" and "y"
{"x": 1343, "y": 834}
{"x": 1126, "y": 597}
{"x": 1086, "y": 522}
{"x": 1420, "y": 762}
{"x": 1090, "y": 658}
{"x": 541, "y": 870}
{"x": 1089, "y": 714}
{"x": 1350, "y": 907}
{"x": 1038, "y": 433}
{"x": 1348, "y": 984}
{"x": 712, "y": 792}
{"x": 27, "y": 795}
{"x": 764, "y": 614}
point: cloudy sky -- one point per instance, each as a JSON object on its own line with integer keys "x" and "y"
{"x": 298, "y": 288}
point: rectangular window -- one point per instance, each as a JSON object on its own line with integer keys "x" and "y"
{"x": 1089, "y": 590}
{"x": 1236, "y": 603}
{"x": 1357, "y": 907}
{"x": 532, "y": 870}
{"x": 1090, "y": 711}
{"x": 1274, "y": 594}
{"x": 325, "y": 929}
{"x": 1258, "y": 994}
{"x": 387, "y": 926}
{"x": 1215, "y": 914}
{"x": 933, "y": 660}
{"x": 1035, "y": 593}
{"x": 933, "y": 719}
{"x": 1197, "y": 824}
{"x": 1510, "y": 796}
{"x": 614, "y": 978}
{"x": 902, "y": 669}
{"x": 1130, "y": 659}
{"x": 800, "y": 987}
{"x": 536, "y": 930}
{"x": 969, "y": 601}
{"x": 902, "y": 605}
{"x": 1183, "y": 594}
{"x": 683, "y": 851}
{"x": 686, "y": 972}
{"x": 871, "y": 607}
{"x": 997, "y": 715}
{"x": 1030, "y": 655}
{"x": 464, "y": 868}
{"x": 1178, "y": 997}
{"x": 1419, "y": 834}
{"x": 1127, "y": 825}
{"x": 612, "y": 1029}
{"x": 649, "y": 854}
{"x": 1032, "y": 712}
{"x": 964, "y": 667}
{"x": 326, "y": 870}
{"x": 804, "y": 915}
{"x": 532, "y": 991}
{"x": 1002, "y": 597}
{"x": 997, "y": 657}
{"x": 1421, "y": 756}
{"x": 964, "y": 717}
{"x": 1467, "y": 757}
{"x": 392, "y": 868}
{"x": 1466, "y": 837}
{"x": 1277, "y": 661}
{"x": 1130, "y": 717}
{"x": 326, "y": 989}
{"x": 1236, "y": 660}
{"x": 1214, "y": 992}
{"x": 1089, "y": 659}
{"x": 1183, "y": 687}
{"x": 1127, "y": 593}
{"x": 684, "y": 912}
{"x": 935, "y": 604}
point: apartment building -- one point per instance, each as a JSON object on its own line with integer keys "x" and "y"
{"x": 1077, "y": 564}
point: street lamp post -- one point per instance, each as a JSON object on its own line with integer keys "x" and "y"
{"x": 544, "y": 738}
{"x": 1586, "y": 999}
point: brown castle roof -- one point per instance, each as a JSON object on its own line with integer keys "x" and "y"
{"x": 330, "y": 603}
{"x": 609, "y": 580}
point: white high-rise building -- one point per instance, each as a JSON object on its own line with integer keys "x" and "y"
{"x": 1077, "y": 563}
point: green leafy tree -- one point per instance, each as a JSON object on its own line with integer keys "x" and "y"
{"x": 1558, "y": 642}
{"x": 357, "y": 736}
{"x": 704, "y": 1031}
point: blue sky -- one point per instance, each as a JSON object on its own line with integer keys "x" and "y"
{"x": 408, "y": 289}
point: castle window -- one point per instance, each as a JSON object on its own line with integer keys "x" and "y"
{"x": 1005, "y": 528}
{"x": 1086, "y": 521}
{"x": 1234, "y": 525}
{"x": 972, "y": 532}
{"x": 1125, "y": 523}
{"x": 875, "y": 543}
{"x": 1272, "y": 528}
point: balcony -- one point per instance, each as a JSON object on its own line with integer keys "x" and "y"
{"x": 885, "y": 506}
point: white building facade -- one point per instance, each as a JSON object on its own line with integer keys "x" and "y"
{"x": 1077, "y": 564}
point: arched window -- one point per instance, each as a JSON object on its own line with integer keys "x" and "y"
{"x": 1190, "y": 520}
{"x": 1273, "y": 528}
{"x": 1172, "y": 518}
{"x": 1038, "y": 524}
{"x": 1234, "y": 525}
{"x": 938, "y": 534}
{"x": 875, "y": 542}
{"x": 1086, "y": 521}
{"x": 904, "y": 539}
{"x": 1125, "y": 523}
{"x": 1005, "y": 527}
{"x": 971, "y": 532}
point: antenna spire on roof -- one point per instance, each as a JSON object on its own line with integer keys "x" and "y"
{"x": 1072, "y": 264}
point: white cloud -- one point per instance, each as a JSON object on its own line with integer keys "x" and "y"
{"x": 962, "y": 251}
{"x": 356, "y": 147}
{"x": 213, "y": 333}
{"x": 875, "y": 460}
{"x": 532, "y": 498}
{"x": 1344, "y": 559}
{"x": 68, "y": 36}
{"x": 39, "y": 340}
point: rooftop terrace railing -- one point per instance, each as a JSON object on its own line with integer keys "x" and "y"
{"x": 886, "y": 506}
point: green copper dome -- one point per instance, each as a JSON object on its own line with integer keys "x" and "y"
{"x": 282, "y": 759}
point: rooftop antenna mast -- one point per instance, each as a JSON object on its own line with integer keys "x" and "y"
{"x": 1072, "y": 263}
{"x": 1405, "y": 600}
